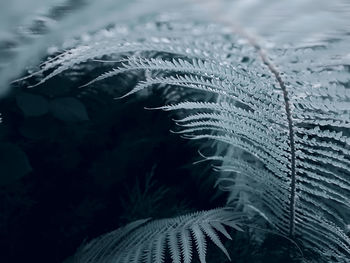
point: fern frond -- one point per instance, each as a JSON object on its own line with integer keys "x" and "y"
{"x": 147, "y": 241}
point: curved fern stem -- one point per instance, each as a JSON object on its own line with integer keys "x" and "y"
{"x": 292, "y": 143}
{"x": 283, "y": 87}
{"x": 291, "y": 138}
{"x": 237, "y": 29}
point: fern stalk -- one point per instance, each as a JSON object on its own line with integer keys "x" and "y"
{"x": 292, "y": 146}
{"x": 291, "y": 140}
{"x": 283, "y": 87}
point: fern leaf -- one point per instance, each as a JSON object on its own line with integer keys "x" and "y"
{"x": 186, "y": 245}
{"x": 201, "y": 244}
{"x": 174, "y": 247}
{"x": 143, "y": 240}
{"x": 210, "y": 232}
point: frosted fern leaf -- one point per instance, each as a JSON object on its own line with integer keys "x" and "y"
{"x": 148, "y": 241}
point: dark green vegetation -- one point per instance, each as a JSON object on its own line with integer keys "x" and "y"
{"x": 74, "y": 176}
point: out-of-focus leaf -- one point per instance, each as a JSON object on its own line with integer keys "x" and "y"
{"x": 32, "y": 105}
{"x": 68, "y": 109}
{"x": 39, "y": 128}
{"x": 14, "y": 163}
